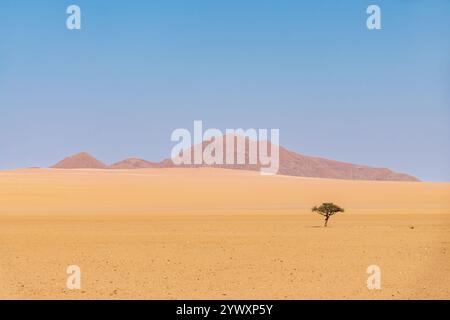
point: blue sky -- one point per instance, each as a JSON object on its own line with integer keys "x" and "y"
{"x": 138, "y": 70}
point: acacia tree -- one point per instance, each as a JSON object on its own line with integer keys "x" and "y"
{"x": 327, "y": 210}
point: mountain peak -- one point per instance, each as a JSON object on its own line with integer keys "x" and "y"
{"x": 82, "y": 160}
{"x": 296, "y": 164}
{"x": 290, "y": 164}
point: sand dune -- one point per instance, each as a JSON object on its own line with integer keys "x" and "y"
{"x": 216, "y": 233}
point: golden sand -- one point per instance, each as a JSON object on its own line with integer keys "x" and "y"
{"x": 219, "y": 234}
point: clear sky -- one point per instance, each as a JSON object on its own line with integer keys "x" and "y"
{"x": 137, "y": 70}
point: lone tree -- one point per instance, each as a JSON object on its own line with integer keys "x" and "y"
{"x": 327, "y": 210}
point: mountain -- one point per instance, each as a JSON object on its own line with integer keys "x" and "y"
{"x": 295, "y": 164}
{"x": 81, "y": 160}
{"x": 290, "y": 164}
{"x": 134, "y": 163}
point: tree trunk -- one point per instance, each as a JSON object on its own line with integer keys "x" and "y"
{"x": 326, "y": 220}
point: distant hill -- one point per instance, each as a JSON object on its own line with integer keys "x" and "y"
{"x": 134, "y": 163}
{"x": 81, "y": 160}
{"x": 291, "y": 164}
{"x": 295, "y": 164}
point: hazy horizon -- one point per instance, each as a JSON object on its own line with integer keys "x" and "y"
{"x": 136, "y": 71}
{"x": 162, "y": 159}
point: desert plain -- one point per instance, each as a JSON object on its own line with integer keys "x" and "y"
{"x": 219, "y": 234}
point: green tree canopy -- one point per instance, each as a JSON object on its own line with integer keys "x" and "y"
{"x": 327, "y": 209}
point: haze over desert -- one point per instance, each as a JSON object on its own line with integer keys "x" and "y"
{"x": 206, "y": 233}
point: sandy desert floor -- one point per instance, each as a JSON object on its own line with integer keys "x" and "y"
{"x": 218, "y": 234}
